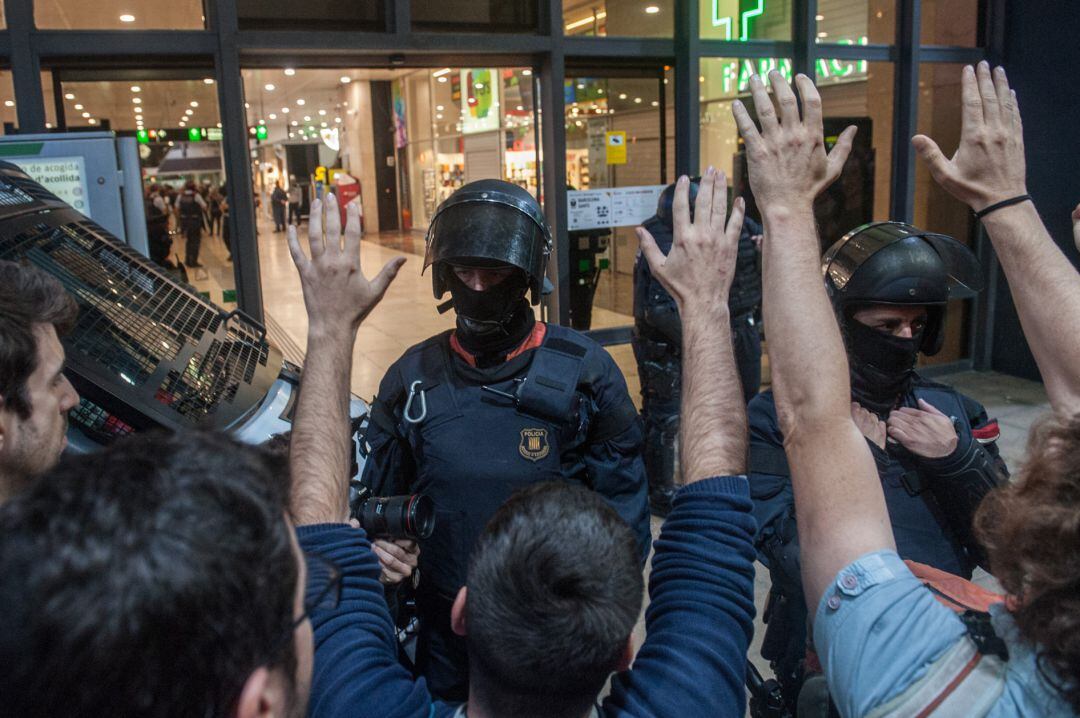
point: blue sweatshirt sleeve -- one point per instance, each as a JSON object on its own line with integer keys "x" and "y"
{"x": 700, "y": 618}
{"x": 356, "y": 670}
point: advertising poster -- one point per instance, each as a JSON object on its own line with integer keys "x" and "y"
{"x": 480, "y": 91}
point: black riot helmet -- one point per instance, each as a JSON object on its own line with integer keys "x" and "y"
{"x": 896, "y": 263}
{"x": 665, "y": 206}
{"x": 489, "y": 222}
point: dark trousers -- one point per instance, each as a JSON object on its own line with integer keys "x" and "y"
{"x": 294, "y": 212}
{"x": 159, "y": 243}
{"x": 193, "y": 235}
{"x": 441, "y": 655}
{"x": 279, "y": 217}
{"x": 215, "y": 224}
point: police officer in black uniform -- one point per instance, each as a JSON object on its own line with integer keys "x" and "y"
{"x": 501, "y": 402}
{"x": 934, "y": 447}
{"x": 657, "y": 343}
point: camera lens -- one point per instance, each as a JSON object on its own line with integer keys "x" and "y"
{"x": 411, "y": 517}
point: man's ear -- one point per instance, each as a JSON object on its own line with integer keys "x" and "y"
{"x": 259, "y": 696}
{"x": 627, "y": 656}
{"x": 457, "y": 612}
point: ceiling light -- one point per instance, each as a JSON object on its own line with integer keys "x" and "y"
{"x": 337, "y": 120}
{"x": 92, "y": 121}
{"x": 170, "y": 143}
{"x": 586, "y": 20}
{"x": 78, "y": 106}
{"x": 48, "y": 125}
{"x": 520, "y": 108}
{"x": 655, "y": 103}
{"x": 291, "y": 135}
{"x": 127, "y": 18}
{"x": 285, "y": 110}
{"x": 194, "y": 103}
{"x": 269, "y": 87}
{"x": 69, "y": 96}
{"x": 323, "y": 124}
{"x": 273, "y": 116}
{"x": 189, "y": 113}
{"x": 442, "y": 79}
{"x": 219, "y": 125}
{"x": 300, "y": 101}
{"x": 622, "y": 95}
{"x": 289, "y": 71}
{"x": 9, "y": 103}
{"x": 440, "y": 73}
{"x": 822, "y": 35}
{"x": 136, "y": 101}
{"x": 294, "y": 123}
{"x": 208, "y": 81}
{"x": 651, "y": 10}
{"x": 526, "y": 73}
{"x": 819, "y": 17}
{"x": 322, "y": 113}
{"x": 247, "y": 105}
{"x": 345, "y": 79}
{"x": 438, "y": 116}
{"x": 136, "y": 88}
{"x": 86, "y": 114}
{"x": 637, "y": 100}
{"x": 307, "y": 118}
{"x": 183, "y": 124}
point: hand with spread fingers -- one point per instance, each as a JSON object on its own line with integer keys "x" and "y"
{"x": 788, "y": 164}
{"x": 925, "y": 431}
{"x": 336, "y": 292}
{"x": 869, "y": 424}
{"x": 701, "y": 264}
{"x": 988, "y": 166}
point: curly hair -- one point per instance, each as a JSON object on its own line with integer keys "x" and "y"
{"x": 1031, "y": 530}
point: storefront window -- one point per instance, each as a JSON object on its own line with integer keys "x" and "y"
{"x": 935, "y": 209}
{"x": 741, "y": 20}
{"x": 119, "y": 15}
{"x": 856, "y": 22}
{"x": 474, "y": 15}
{"x": 310, "y": 15}
{"x": 857, "y": 93}
{"x": 625, "y": 18}
{"x": 955, "y": 22}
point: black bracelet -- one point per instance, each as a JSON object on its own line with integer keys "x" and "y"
{"x": 1003, "y": 203}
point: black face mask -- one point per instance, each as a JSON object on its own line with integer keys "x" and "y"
{"x": 882, "y": 365}
{"x": 488, "y": 313}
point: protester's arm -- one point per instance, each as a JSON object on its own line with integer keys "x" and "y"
{"x": 838, "y": 497}
{"x": 989, "y": 167}
{"x": 337, "y": 297}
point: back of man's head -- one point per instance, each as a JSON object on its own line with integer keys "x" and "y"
{"x": 554, "y": 591}
{"x": 28, "y": 296}
{"x": 150, "y": 579}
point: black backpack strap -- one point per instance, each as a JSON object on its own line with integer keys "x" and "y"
{"x": 981, "y": 630}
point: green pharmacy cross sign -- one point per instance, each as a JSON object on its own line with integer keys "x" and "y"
{"x": 725, "y": 21}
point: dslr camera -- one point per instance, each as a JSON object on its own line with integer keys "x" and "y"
{"x": 391, "y": 517}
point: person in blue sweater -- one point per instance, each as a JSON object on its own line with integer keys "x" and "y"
{"x": 546, "y": 627}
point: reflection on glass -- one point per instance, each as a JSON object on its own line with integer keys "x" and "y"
{"x": 856, "y": 93}
{"x": 310, "y": 15}
{"x": 950, "y": 23}
{"x": 7, "y": 98}
{"x": 615, "y": 18}
{"x": 474, "y": 15}
{"x": 119, "y": 15}
{"x": 856, "y": 22}
{"x": 935, "y": 209}
{"x": 741, "y": 20}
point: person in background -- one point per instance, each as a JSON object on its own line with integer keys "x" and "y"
{"x": 657, "y": 343}
{"x": 157, "y": 226}
{"x": 213, "y": 199}
{"x": 35, "y": 395}
{"x": 190, "y": 207}
{"x": 278, "y": 202}
{"x": 295, "y": 198}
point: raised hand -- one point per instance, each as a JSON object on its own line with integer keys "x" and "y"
{"x": 701, "y": 264}
{"x": 788, "y": 164}
{"x": 924, "y": 431}
{"x": 336, "y": 292}
{"x": 988, "y": 166}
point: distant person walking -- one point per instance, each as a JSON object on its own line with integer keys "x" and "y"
{"x": 278, "y": 201}
{"x": 189, "y": 212}
{"x": 157, "y": 226}
{"x": 295, "y": 198}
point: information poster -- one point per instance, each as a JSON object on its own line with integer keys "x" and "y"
{"x": 616, "y": 147}
{"x": 616, "y": 207}
{"x": 65, "y": 177}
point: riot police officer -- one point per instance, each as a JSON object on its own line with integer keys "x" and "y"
{"x": 657, "y": 343}
{"x": 500, "y": 402}
{"x": 934, "y": 447}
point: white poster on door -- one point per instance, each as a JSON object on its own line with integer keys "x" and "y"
{"x": 615, "y": 207}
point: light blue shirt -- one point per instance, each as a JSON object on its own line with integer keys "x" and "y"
{"x": 878, "y": 630}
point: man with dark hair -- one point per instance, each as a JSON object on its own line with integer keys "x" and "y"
{"x": 35, "y": 396}
{"x": 554, "y": 587}
{"x": 158, "y": 577}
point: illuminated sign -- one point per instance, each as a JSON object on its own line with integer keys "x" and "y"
{"x": 260, "y": 132}
{"x": 724, "y": 20}
{"x": 65, "y": 177}
{"x": 194, "y": 135}
{"x": 142, "y": 137}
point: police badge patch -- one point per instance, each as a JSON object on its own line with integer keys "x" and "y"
{"x": 534, "y": 444}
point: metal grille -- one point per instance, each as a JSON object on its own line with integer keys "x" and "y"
{"x": 11, "y": 195}
{"x": 137, "y": 327}
{"x": 97, "y": 423}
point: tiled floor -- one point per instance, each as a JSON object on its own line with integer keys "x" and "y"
{"x": 407, "y": 315}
